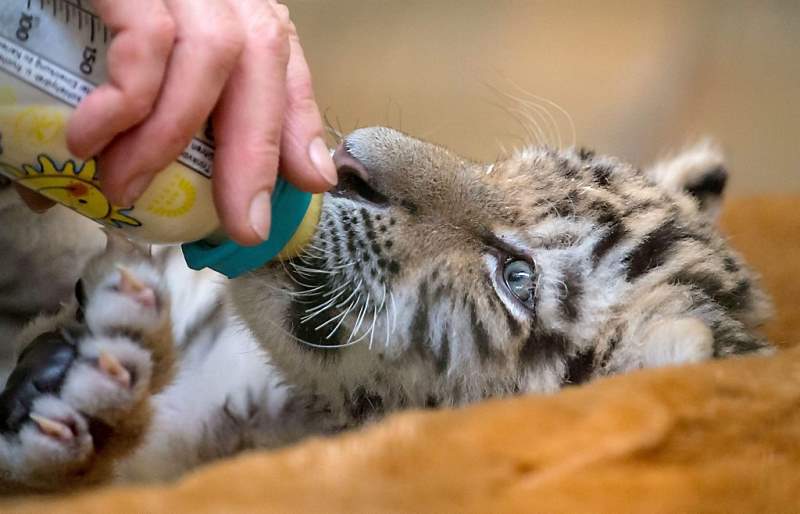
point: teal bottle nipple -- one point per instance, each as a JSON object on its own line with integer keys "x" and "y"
{"x": 289, "y": 206}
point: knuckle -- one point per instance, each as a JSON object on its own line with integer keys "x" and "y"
{"x": 172, "y": 133}
{"x": 138, "y": 106}
{"x": 222, "y": 45}
{"x": 291, "y": 30}
{"x": 161, "y": 32}
{"x": 270, "y": 32}
{"x": 223, "y": 36}
{"x": 277, "y": 46}
{"x": 283, "y": 13}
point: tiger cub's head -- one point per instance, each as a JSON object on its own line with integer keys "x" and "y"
{"x": 433, "y": 279}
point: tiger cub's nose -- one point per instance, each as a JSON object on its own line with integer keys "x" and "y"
{"x": 354, "y": 178}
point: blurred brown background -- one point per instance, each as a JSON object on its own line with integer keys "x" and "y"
{"x": 637, "y": 78}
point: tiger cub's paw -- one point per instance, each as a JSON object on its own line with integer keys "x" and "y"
{"x": 678, "y": 341}
{"x": 78, "y": 397}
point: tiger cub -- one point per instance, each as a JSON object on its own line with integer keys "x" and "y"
{"x": 432, "y": 281}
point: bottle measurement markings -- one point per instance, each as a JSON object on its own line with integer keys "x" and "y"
{"x": 55, "y": 69}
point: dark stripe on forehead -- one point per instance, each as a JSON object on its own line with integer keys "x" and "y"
{"x": 572, "y": 296}
{"x": 585, "y": 153}
{"x": 615, "y": 233}
{"x": 543, "y": 346}
{"x": 566, "y": 168}
{"x": 606, "y": 213}
{"x": 567, "y": 205}
{"x": 602, "y": 174}
{"x": 735, "y": 299}
{"x": 655, "y": 249}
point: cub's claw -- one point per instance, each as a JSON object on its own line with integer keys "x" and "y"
{"x": 111, "y": 366}
{"x": 132, "y": 287}
{"x": 78, "y": 399}
{"x": 53, "y": 428}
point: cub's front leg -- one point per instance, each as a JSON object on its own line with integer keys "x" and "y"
{"x": 79, "y": 397}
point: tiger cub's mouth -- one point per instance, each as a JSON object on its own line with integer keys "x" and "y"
{"x": 343, "y": 278}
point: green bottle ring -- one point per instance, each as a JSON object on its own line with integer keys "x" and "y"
{"x": 289, "y": 206}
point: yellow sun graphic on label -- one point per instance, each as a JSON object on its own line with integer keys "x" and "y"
{"x": 7, "y": 95}
{"x": 76, "y": 188}
{"x": 38, "y": 125}
{"x": 174, "y": 198}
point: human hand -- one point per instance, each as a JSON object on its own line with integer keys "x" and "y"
{"x": 173, "y": 64}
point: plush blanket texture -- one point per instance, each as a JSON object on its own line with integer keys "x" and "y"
{"x": 718, "y": 437}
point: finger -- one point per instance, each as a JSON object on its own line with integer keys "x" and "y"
{"x": 305, "y": 159}
{"x": 137, "y": 57}
{"x": 247, "y": 126}
{"x": 33, "y": 200}
{"x": 209, "y": 41}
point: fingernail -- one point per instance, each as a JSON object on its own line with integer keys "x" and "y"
{"x": 260, "y": 211}
{"x": 321, "y": 157}
{"x": 135, "y": 189}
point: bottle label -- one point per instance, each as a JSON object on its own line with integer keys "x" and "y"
{"x": 53, "y": 54}
{"x": 61, "y": 84}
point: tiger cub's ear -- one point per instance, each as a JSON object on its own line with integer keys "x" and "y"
{"x": 699, "y": 171}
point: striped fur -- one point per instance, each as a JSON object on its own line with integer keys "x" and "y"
{"x": 621, "y": 257}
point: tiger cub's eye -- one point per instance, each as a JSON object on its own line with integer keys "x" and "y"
{"x": 519, "y": 278}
